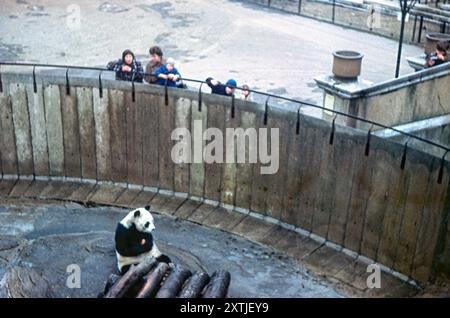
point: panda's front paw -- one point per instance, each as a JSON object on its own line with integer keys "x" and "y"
{"x": 164, "y": 259}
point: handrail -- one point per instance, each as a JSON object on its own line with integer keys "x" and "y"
{"x": 302, "y": 103}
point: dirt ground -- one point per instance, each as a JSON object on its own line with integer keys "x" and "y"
{"x": 39, "y": 241}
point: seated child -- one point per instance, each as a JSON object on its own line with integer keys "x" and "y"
{"x": 168, "y": 73}
{"x": 440, "y": 55}
{"x": 245, "y": 93}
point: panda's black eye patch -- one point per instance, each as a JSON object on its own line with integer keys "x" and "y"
{"x": 147, "y": 224}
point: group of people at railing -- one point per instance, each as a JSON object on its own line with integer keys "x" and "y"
{"x": 440, "y": 55}
{"x": 162, "y": 71}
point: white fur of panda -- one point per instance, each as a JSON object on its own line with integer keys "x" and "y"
{"x": 134, "y": 241}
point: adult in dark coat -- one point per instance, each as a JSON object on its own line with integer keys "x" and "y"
{"x": 222, "y": 89}
{"x": 127, "y": 68}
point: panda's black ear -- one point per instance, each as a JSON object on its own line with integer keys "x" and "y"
{"x": 137, "y": 213}
{"x": 148, "y": 207}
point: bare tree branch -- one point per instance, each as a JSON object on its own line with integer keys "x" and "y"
{"x": 405, "y": 7}
{"x": 411, "y": 5}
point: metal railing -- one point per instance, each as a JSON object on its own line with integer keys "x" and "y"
{"x": 266, "y": 107}
{"x": 297, "y": 9}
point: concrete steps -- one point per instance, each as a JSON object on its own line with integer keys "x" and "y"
{"x": 432, "y": 9}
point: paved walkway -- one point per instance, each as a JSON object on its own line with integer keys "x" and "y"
{"x": 282, "y": 263}
{"x": 271, "y": 51}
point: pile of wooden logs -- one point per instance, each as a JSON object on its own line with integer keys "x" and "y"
{"x": 151, "y": 279}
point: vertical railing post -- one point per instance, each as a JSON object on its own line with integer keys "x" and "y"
{"x": 414, "y": 28}
{"x": 333, "y": 129}
{"x": 441, "y": 169}
{"x": 200, "y": 98}
{"x": 67, "y": 83}
{"x": 100, "y": 85}
{"x": 297, "y": 126}
{"x": 403, "y": 162}
{"x": 333, "y": 12}
{"x": 1, "y": 83}
{"x": 419, "y": 36}
{"x": 369, "y": 135}
{"x": 34, "y": 80}
{"x": 266, "y": 111}
{"x": 232, "y": 105}
{"x": 166, "y": 93}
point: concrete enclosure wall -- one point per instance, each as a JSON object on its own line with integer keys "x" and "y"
{"x": 366, "y": 204}
{"x": 439, "y": 134}
{"x": 412, "y": 97}
{"x": 421, "y": 100}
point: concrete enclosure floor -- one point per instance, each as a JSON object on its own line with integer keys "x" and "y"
{"x": 271, "y": 51}
{"x": 39, "y": 241}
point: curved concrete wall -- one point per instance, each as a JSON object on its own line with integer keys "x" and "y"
{"x": 366, "y": 204}
{"x": 412, "y": 97}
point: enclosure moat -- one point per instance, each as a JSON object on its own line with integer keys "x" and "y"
{"x": 40, "y": 239}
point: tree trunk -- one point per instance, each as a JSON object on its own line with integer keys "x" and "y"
{"x": 218, "y": 285}
{"x": 112, "y": 279}
{"x": 173, "y": 283}
{"x": 153, "y": 281}
{"x": 133, "y": 275}
{"x": 194, "y": 285}
{"x": 400, "y": 43}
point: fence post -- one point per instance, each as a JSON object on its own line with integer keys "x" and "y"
{"x": 333, "y": 12}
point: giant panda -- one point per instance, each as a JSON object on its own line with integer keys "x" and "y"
{"x": 134, "y": 240}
